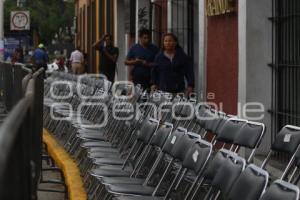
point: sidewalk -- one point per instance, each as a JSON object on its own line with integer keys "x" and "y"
{"x": 50, "y": 195}
{"x": 275, "y": 167}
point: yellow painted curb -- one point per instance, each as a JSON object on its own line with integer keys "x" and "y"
{"x": 68, "y": 166}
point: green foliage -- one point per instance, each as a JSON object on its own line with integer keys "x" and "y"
{"x": 47, "y": 16}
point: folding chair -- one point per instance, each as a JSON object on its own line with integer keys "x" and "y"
{"x": 294, "y": 177}
{"x": 143, "y": 137}
{"x": 280, "y": 190}
{"x": 212, "y": 169}
{"x": 226, "y": 176}
{"x": 183, "y": 114}
{"x": 138, "y": 149}
{"x": 194, "y": 162}
{"x": 177, "y": 147}
{"x": 229, "y": 131}
{"x": 250, "y": 184}
{"x": 200, "y": 119}
{"x": 250, "y": 136}
{"x": 286, "y": 141}
{"x": 214, "y": 122}
{"x": 156, "y": 145}
{"x": 114, "y": 127}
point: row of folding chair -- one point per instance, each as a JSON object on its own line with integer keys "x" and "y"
{"x": 231, "y": 179}
{"x": 152, "y": 155}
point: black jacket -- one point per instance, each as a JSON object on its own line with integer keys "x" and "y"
{"x": 169, "y": 75}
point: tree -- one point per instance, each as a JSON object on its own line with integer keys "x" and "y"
{"x": 47, "y": 16}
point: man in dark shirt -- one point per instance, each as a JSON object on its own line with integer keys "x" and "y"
{"x": 40, "y": 58}
{"x": 140, "y": 60}
{"x": 109, "y": 56}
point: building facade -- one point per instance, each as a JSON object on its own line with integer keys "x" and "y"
{"x": 234, "y": 45}
{"x": 93, "y": 19}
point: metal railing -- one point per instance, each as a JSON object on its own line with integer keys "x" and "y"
{"x": 285, "y": 66}
{"x": 20, "y": 132}
{"x": 11, "y": 84}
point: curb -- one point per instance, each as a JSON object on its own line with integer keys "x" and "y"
{"x": 65, "y": 162}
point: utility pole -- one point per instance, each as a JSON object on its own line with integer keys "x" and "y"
{"x": 2, "y": 30}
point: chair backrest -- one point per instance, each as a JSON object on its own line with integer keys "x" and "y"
{"x": 230, "y": 129}
{"x": 99, "y": 83}
{"x": 173, "y": 139}
{"x": 250, "y": 184}
{"x": 201, "y": 109}
{"x": 159, "y": 98}
{"x": 287, "y": 139}
{"x": 215, "y": 164}
{"x": 137, "y": 93}
{"x": 281, "y": 190}
{"x": 147, "y": 130}
{"x": 219, "y": 122}
{"x": 250, "y": 135}
{"x": 203, "y": 115}
{"x": 187, "y": 109}
{"x": 161, "y": 135}
{"x": 228, "y": 173}
{"x": 182, "y": 146}
{"x": 178, "y": 107}
{"x": 197, "y": 156}
{"x": 165, "y": 107}
{"x": 212, "y": 122}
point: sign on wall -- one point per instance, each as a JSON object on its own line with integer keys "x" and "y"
{"x": 19, "y": 20}
{"x": 219, "y": 7}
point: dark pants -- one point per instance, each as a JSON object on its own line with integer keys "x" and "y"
{"x": 110, "y": 75}
{"x": 145, "y": 83}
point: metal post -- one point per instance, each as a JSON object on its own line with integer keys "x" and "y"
{"x": 137, "y": 21}
{"x": 2, "y": 30}
{"x": 170, "y": 14}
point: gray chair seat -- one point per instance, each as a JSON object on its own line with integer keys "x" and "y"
{"x": 95, "y": 144}
{"x": 103, "y": 150}
{"x": 122, "y": 180}
{"x": 104, "y": 155}
{"x": 130, "y": 189}
{"x": 91, "y": 131}
{"x": 92, "y": 136}
{"x": 109, "y": 161}
{"x": 109, "y": 173}
{"x": 116, "y": 167}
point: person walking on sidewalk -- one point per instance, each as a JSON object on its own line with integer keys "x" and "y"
{"x": 76, "y": 61}
{"x": 109, "y": 56}
{"x": 40, "y": 58}
{"x": 171, "y": 67}
{"x": 140, "y": 60}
